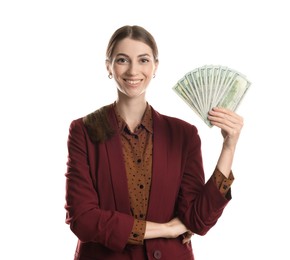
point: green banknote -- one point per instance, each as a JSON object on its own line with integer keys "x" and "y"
{"x": 212, "y": 85}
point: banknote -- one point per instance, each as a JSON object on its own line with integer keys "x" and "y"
{"x": 212, "y": 85}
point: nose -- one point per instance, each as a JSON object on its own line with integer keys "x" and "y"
{"x": 133, "y": 68}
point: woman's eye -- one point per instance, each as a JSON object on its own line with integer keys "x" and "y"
{"x": 122, "y": 60}
{"x": 144, "y": 60}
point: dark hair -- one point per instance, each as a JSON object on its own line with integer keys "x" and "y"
{"x": 133, "y": 32}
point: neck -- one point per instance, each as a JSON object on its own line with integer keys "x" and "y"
{"x": 131, "y": 111}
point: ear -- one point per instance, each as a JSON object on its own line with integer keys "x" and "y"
{"x": 108, "y": 66}
{"x": 156, "y": 66}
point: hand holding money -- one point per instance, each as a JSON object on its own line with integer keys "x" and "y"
{"x": 230, "y": 124}
{"x": 212, "y": 86}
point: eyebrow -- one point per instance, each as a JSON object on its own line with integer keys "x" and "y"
{"x": 141, "y": 55}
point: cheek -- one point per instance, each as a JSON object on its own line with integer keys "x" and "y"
{"x": 150, "y": 70}
{"x": 117, "y": 70}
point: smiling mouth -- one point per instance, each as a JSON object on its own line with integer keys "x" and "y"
{"x": 133, "y": 82}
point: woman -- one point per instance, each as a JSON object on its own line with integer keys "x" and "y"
{"x": 135, "y": 185}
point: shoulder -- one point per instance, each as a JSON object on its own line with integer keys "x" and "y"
{"x": 96, "y": 124}
{"x": 76, "y": 125}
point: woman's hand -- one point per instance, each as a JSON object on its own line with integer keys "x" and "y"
{"x": 187, "y": 237}
{"x": 176, "y": 228}
{"x": 230, "y": 124}
{"x": 171, "y": 229}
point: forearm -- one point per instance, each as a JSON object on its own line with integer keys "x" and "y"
{"x": 231, "y": 125}
{"x": 171, "y": 229}
{"x": 154, "y": 230}
{"x": 225, "y": 161}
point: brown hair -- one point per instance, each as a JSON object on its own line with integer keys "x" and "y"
{"x": 133, "y": 32}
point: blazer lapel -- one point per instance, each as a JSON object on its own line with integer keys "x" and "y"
{"x": 117, "y": 170}
{"x": 160, "y": 164}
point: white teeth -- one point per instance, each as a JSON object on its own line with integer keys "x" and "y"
{"x": 133, "y": 81}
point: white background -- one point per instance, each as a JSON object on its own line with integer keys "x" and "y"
{"x": 52, "y": 71}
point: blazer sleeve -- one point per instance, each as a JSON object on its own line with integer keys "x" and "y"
{"x": 87, "y": 220}
{"x": 199, "y": 204}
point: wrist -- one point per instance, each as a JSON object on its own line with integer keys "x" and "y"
{"x": 155, "y": 230}
{"x": 168, "y": 230}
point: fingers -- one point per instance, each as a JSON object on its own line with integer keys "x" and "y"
{"x": 224, "y": 115}
{"x": 180, "y": 229}
{"x": 225, "y": 119}
{"x": 187, "y": 237}
{"x": 176, "y": 228}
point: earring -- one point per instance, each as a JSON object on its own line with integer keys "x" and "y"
{"x": 110, "y": 76}
{"x": 154, "y": 76}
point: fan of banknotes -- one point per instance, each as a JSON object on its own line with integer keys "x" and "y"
{"x": 210, "y": 86}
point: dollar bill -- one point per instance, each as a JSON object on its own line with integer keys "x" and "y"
{"x": 212, "y": 85}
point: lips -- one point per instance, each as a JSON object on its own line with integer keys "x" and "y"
{"x": 133, "y": 82}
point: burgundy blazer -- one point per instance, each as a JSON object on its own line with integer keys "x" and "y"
{"x": 97, "y": 200}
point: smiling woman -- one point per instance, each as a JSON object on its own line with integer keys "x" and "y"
{"x": 135, "y": 184}
{"x": 132, "y": 65}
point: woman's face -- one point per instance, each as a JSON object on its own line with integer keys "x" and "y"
{"x": 132, "y": 66}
